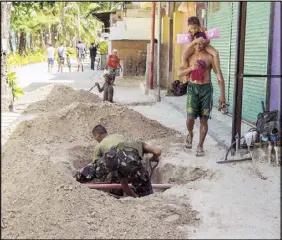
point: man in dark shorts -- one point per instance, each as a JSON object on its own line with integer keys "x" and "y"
{"x": 197, "y": 70}
{"x": 122, "y": 157}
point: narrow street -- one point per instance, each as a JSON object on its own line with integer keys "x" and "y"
{"x": 232, "y": 200}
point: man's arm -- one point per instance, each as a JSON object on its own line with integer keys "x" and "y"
{"x": 191, "y": 47}
{"x": 153, "y": 150}
{"x": 128, "y": 191}
{"x": 221, "y": 85}
{"x": 97, "y": 153}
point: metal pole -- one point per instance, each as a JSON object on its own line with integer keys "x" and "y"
{"x": 238, "y": 78}
{"x": 151, "y": 77}
{"x": 118, "y": 186}
{"x": 170, "y": 47}
{"x": 159, "y": 53}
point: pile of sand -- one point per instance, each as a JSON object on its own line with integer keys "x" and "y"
{"x": 75, "y": 122}
{"x": 40, "y": 199}
{"x": 53, "y": 97}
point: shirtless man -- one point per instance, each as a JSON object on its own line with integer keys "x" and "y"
{"x": 197, "y": 71}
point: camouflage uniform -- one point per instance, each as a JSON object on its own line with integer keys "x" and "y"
{"x": 122, "y": 164}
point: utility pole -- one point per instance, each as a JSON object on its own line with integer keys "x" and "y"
{"x": 151, "y": 73}
{"x": 170, "y": 46}
{"x": 159, "y": 53}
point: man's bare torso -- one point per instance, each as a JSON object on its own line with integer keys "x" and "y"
{"x": 207, "y": 58}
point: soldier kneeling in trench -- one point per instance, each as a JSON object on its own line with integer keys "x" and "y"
{"x": 107, "y": 88}
{"x": 116, "y": 154}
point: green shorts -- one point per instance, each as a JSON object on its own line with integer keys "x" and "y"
{"x": 199, "y": 100}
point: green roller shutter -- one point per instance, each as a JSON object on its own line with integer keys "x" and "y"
{"x": 224, "y": 16}
{"x": 256, "y": 58}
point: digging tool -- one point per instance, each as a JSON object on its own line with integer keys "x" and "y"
{"x": 92, "y": 87}
{"x": 152, "y": 168}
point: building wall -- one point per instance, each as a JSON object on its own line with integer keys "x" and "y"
{"x": 128, "y": 48}
{"x": 275, "y": 89}
{"x": 134, "y": 29}
{"x": 180, "y": 26}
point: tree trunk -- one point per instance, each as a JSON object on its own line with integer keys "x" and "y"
{"x": 10, "y": 42}
{"x": 31, "y": 45}
{"x": 42, "y": 41}
{"x": 49, "y": 34}
{"x": 22, "y": 45}
{"x": 6, "y": 94}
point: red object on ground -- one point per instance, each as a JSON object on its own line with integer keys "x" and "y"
{"x": 118, "y": 186}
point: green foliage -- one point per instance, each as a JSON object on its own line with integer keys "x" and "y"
{"x": 12, "y": 81}
{"x": 103, "y": 48}
{"x": 16, "y": 60}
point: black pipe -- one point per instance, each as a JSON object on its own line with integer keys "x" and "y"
{"x": 260, "y": 75}
{"x": 239, "y": 70}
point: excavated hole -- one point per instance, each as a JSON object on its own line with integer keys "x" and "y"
{"x": 168, "y": 173}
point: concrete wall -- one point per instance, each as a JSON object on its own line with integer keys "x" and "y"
{"x": 275, "y": 87}
{"x": 180, "y": 26}
{"x": 134, "y": 29}
{"x": 128, "y": 48}
{"x": 164, "y": 65}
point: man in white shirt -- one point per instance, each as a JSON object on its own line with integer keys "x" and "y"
{"x": 51, "y": 57}
{"x": 61, "y": 57}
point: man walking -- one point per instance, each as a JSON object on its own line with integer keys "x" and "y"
{"x": 80, "y": 49}
{"x": 93, "y": 53}
{"x": 197, "y": 70}
{"x": 50, "y": 57}
{"x": 61, "y": 57}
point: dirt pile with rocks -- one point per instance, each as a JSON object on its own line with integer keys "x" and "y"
{"x": 40, "y": 199}
{"x": 53, "y": 97}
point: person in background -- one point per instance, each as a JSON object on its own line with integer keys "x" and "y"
{"x": 80, "y": 51}
{"x": 107, "y": 88}
{"x": 51, "y": 57}
{"x": 93, "y": 53}
{"x": 113, "y": 64}
{"x": 61, "y": 57}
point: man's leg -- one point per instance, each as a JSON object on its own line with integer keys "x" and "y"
{"x": 110, "y": 93}
{"x": 203, "y": 134}
{"x": 142, "y": 183}
{"x": 190, "y": 121}
{"x": 92, "y": 63}
{"x": 192, "y": 112}
{"x": 105, "y": 96}
{"x": 205, "y": 100}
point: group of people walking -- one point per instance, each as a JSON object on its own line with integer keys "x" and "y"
{"x": 64, "y": 56}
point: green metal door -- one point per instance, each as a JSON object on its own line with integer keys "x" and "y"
{"x": 224, "y": 16}
{"x": 256, "y": 58}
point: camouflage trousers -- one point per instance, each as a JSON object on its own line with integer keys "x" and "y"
{"x": 139, "y": 178}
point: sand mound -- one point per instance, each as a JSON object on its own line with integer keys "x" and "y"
{"x": 53, "y": 97}
{"x": 75, "y": 122}
{"x": 41, "y": 200}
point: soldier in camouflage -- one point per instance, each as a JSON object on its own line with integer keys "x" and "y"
{"x": 122, "y": 158}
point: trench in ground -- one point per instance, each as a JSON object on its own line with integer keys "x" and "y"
{"x": 166, "y": 173}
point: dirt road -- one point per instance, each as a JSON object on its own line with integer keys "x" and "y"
{"x": 41, "y": 200}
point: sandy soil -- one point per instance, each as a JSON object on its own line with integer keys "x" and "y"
{"x": 41, "y": 200}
